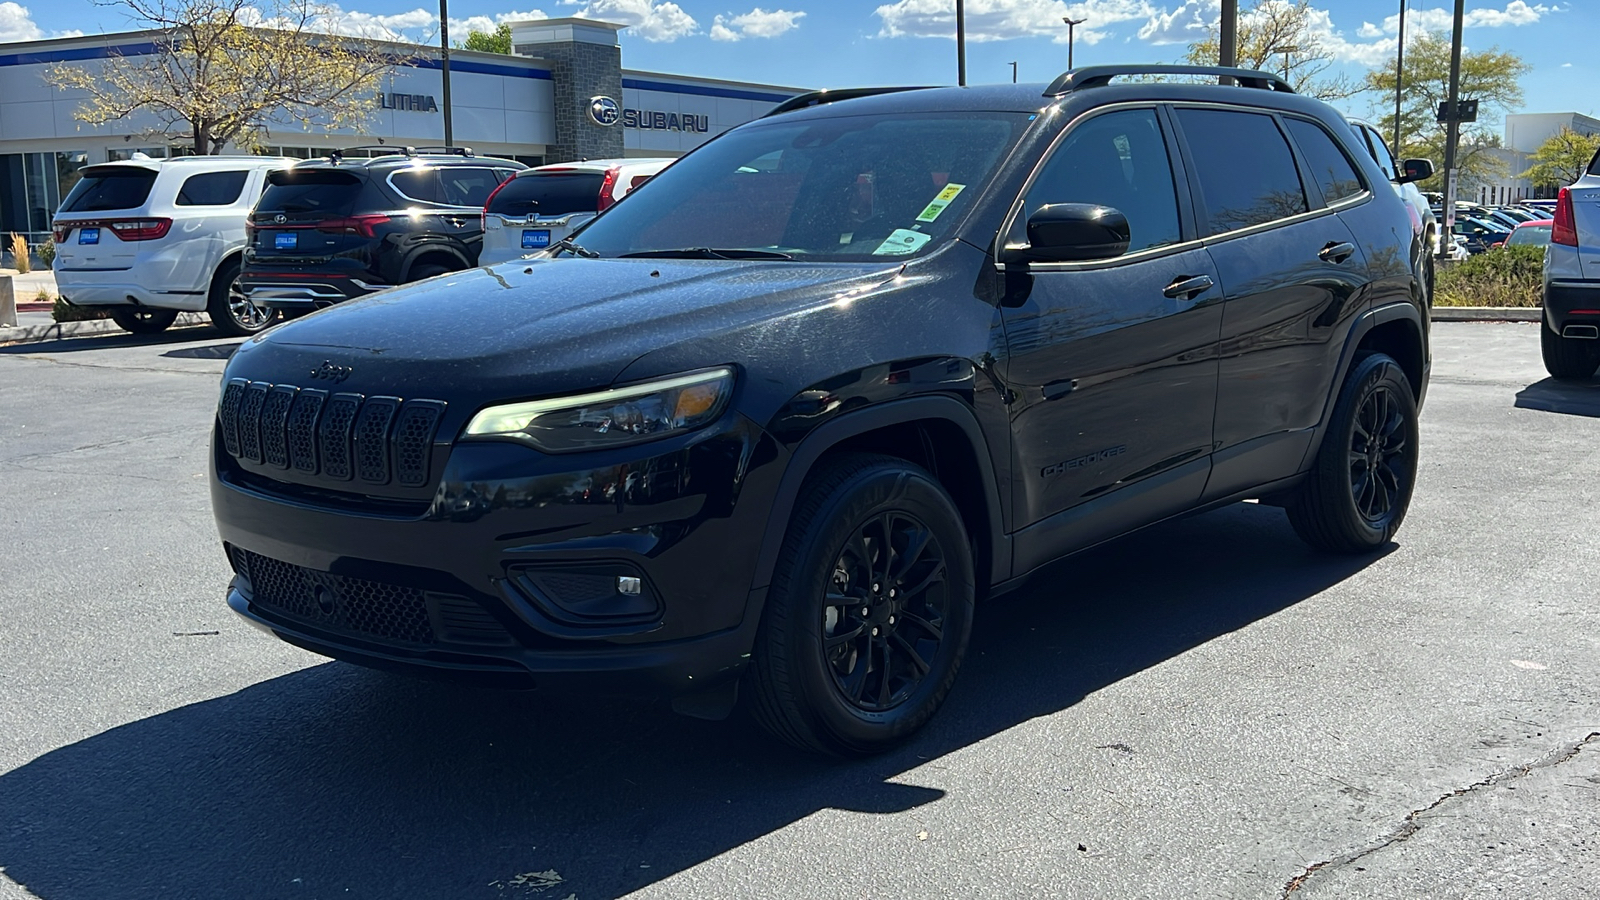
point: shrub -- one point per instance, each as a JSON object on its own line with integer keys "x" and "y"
{"x": 1504, "y": 276}
{"x": 61, "y": 312}
{"x": 19, "y": 252}
{"x": 47, "y": 254}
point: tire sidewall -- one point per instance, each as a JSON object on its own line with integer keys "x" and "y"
{"x": 869, "y": 493}
{"x": 1374, "y": 372}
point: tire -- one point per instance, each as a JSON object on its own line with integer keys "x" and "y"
{"x": 428, "y": 270}
{"x": 1361, "y": 481}
{"x": 849, "y": 699}
{"x": 231, "y": 311}
{"x": 1569, "y": 359}
{"x": 144, "y": 321}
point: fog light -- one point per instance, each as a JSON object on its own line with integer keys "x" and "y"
{"x": 628, "y": 584}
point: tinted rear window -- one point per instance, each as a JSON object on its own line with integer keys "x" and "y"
{"x": 1330, "y": 168}
{"x": 212, "y": 189}
{"x": 310, "y": 190}
{"x": 1246, "y": 172}
{"x": 122, "y": 187}
{"x": 549, "y": 195}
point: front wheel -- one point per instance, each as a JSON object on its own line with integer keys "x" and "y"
{"x": 1566, "y": 358}
{"x": 144, "y": 320}
{"x": 231, "y": 310}
{"x": 1360, "y": 484}
{"x": 867, "y": 619}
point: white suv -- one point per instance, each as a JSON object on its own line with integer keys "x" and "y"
{"x": 1570, "y": 337}
{"x": 543, "y": 206}
{"x": 147, "y": 239}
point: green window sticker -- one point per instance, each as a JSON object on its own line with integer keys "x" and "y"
{"x": 945, "y": 198}
{"x": 902, "y": 241}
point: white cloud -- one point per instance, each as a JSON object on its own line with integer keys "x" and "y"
{"x": 417, "y": 26}
{"x": 16, "y": 23}
{"x": 487, "y": 24}
{"x": 1566, "y": 65}
{"x": 998, "y": 20}
{"x": 757, "y": 23}
{"x": 1515, "y": 12}
{"x": 1189, "y": 22}
{"x": 653, "y": 20}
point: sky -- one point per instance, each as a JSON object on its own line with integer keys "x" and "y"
{"x": 840, "y": 43}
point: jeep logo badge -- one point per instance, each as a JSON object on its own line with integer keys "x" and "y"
{"x": 604, "y": 111}
{"x": 330, "y": 372}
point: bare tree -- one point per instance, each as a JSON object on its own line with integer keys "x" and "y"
{"x": 224, "y": 70}
{"x": 1265, "y": 30}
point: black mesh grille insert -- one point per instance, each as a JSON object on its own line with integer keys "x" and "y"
{"x": 302, "y": 437}
{"x": 228, "y": 412}
{"x": 333, "y": 438}
{"x": 250, "y": 421}
{"x": 372, "y": 439}
{"x": 461, "y": 621}
{"x": 380, "y": 440}
{"x": 336, "y": 602}
{"x": 274, "y": 417}
{"x": 413, "y": 441}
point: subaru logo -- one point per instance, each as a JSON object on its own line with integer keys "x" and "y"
{"x": 330, "y": 372}
{"x": 280, "y": 218}
{"x": 604, "y": 111}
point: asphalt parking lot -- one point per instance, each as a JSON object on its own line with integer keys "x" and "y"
{"x": 1204, "y": 709}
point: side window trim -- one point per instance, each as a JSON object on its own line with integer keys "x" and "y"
{"x": 1315, "y": 201}
{"x": 1188, "y": 236}
{"x": 1188, "y": 209}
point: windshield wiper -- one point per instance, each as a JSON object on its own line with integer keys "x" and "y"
{"x": 567, "y": 245}
{"x": 706, "y": 253}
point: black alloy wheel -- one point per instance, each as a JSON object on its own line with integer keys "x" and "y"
{"x": 883, "y": 617}
{"x": 144, "y": 320}
{"x": 867, "y": 618}
{"x": 1361, "y": 481}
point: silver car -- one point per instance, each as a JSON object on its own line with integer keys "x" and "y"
{"x": 1571, "y": 332}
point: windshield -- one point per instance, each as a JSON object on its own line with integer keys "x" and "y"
{"x": 112, "y": 187}
{"x": 842, "y": 188}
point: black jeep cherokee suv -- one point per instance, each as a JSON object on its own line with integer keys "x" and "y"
{"x": 335, "y": 228}
{"x": 781, "y": 417}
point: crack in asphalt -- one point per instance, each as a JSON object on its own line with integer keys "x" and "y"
{"x": 47, "y": 454}
{"x": 1412, "y": 823}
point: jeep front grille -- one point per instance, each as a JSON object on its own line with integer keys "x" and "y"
{"x": 340, "y": 437}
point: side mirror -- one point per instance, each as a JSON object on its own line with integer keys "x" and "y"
{"x": 1072, "y": 232}
{"x": 1415, "y": 170}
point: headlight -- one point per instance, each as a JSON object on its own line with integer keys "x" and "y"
{"x": 614, "y": 418}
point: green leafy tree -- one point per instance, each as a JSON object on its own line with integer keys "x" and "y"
{"x": 1268, "y": 27}
{"x": 497, "y": 42}
{"x": 1492, "y": 77}
{"x": 1562, "y": 159}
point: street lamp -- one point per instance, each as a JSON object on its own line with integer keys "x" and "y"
{"x": 1399, "y": 73}
{"x": 1013, "y": 73}
{"x": 1285, "y": 50}
{"x": 1072, "y": 25}
{"x": 444, "y": 58}
{"x": 961, "y": 43}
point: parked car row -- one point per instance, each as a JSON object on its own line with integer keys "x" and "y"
{"x": 250, "y": 239}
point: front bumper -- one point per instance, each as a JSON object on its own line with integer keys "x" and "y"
{"x": 495, "y": 576}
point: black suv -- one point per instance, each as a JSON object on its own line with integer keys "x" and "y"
{"x": 337, "y": 228}
{"x": 777, "y": 420}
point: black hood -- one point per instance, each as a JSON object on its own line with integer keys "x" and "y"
{"x": 539, "y": 327}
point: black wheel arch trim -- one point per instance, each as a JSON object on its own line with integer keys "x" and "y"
{"x": 1396, "y": 311}
{"x": 805, "y": 455}
{"x": 422, "y": 250}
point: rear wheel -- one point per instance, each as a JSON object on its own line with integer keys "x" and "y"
{"x": 1360, "y": 484}
{"x": 144, "y": 321}
{"x": 231, "y": 310}
{"x": 1568, "y": 358}
{"x": 869, "y": 611}
{"x": 427, "y": 270}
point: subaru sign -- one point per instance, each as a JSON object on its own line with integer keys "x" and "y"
{"x": 604, "y": 111}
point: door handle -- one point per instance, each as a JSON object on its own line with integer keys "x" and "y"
{"x": 1336, "y": 252}
{"x": 1188, "y": 287}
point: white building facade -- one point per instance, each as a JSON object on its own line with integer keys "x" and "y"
{"x": 510, "y": 106}
{"x": 1524, "y": 132}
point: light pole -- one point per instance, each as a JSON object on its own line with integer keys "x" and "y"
{"x": 1286, "y": 50}
{"x": 1399, "y": 73}
{"x": 1013, "y": 73}
{"x": 444, "y": 57}
{"x": 1452, "y": 131}
{"x": 1228, "y": 39}
{"x": 1072, "y": 25}
{"x": 961, "y": 43}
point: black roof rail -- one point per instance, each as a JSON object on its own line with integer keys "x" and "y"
{"x": 1100, "y": 76}
{"x": 817, "y": 98}
{"x": 339, "y": 154}
{"x": 446, "y": 150}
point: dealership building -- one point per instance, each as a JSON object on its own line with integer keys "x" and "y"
{"x": 562, "y": 95}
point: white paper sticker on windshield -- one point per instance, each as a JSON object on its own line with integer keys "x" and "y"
{"x": 903, "y": 240}
{"x": 945, "y": 198}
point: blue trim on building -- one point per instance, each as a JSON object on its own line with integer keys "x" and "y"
{"x": 730, "y": 93}
{"x": 478, "y": 68}
{"x": 78, "y": 54}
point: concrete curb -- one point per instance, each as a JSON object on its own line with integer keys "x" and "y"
{"x": 28, "y": 334}
{"x": 1485, "y": 314}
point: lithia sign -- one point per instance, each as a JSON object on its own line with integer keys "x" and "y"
{"x": 606, "y": 111}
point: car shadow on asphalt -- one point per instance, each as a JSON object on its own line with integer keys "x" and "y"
{"x": 1572, "y": 398}
{"x": 119, "y": 339}
{"x": 338, "y": 781}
